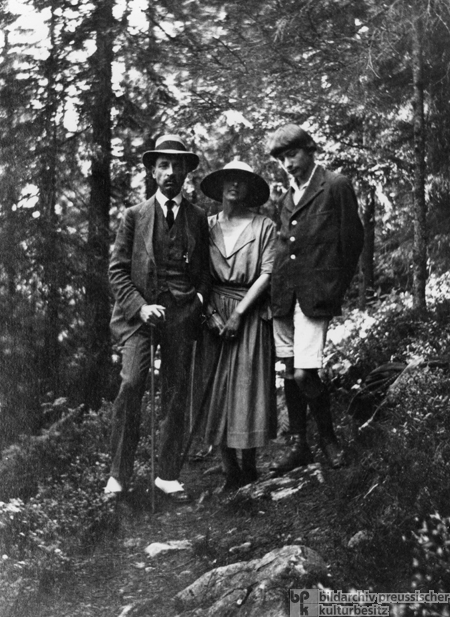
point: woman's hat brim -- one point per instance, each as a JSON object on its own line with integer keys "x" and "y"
{"x": 258, "y": 194}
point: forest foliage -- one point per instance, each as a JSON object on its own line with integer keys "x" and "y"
{"x": 394, "y": 489}
{"x": 86, "y": 87}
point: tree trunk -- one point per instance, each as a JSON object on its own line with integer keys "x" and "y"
{"x": 98, "y": 307}
{"x": 10, "y": 192}
{"x": 149, "y": 141}
{"x": 420, "y": 231}
{"x": 50, "y": 368}
{"x": 366, "y": 261}
{"x": 127, "y": 138}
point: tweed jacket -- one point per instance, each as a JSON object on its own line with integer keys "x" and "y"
{"x": 133, "y": 269}
{"x": 318, "y": 247}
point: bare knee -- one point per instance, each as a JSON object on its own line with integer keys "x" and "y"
{"x": 301, "y": 378}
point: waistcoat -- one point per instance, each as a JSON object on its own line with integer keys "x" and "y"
{"x": 171, "y": 249}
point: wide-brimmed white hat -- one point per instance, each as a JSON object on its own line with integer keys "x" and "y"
{"x": 170, "y": 144}
{"x": 258, "y": 194}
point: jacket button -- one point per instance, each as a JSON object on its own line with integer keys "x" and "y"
{"x": 293, "y": 257}
{"x": 294, "y": 222}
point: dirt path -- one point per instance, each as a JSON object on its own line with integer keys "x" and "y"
{"x": 117, "y": 578}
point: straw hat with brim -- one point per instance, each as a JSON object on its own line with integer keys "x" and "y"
{"x": 258, "y": 193}
{"x": 170, "y": 144}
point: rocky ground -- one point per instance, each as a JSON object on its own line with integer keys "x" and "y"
{"x": 118, "y": 578}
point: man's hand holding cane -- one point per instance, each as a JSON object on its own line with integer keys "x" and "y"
{"x": 152, "y": 314}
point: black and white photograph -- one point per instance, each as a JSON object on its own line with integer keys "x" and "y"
{"x": 224, "y": 308}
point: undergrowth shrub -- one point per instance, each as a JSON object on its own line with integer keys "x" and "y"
{"x": 431, "y": 568}
{"x": 404, "y": 476}
{"x": 52, "y": 499}
{"x": 432, "y": 553}
{"x": 388, "y": 332}
{"x": 410, "y": 461}
{"x": 77, "y": 436}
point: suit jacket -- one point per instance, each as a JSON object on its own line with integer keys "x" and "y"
{"x": 318, "y": 247}
{"x": 133, "y": 269}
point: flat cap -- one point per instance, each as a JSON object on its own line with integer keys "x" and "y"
{"x": 289, "y": 136}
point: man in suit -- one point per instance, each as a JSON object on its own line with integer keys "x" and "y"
{"x": 159, "y": 273}
{"x": 318, "y": 247}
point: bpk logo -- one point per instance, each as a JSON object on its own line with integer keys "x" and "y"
{"x": 304, "y": 602}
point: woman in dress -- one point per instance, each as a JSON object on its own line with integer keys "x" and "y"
{"x": 237, "y": 347}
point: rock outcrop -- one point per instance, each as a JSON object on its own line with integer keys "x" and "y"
{"x": 256, "y": 588}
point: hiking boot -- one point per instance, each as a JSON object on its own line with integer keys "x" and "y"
{"x": 321, "y": 410}
{"x": 299, "y": 455}
{"x": 333, "y": 453}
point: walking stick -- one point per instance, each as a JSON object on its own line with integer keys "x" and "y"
{"x": 191, "y": 388}
{"x": 152, "y": 417}
{"x": 201, "y": 407}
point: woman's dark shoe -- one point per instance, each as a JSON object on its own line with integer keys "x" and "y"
{"x": 230, "y": 462}
{"x": 298, "y": 455}
{"x": 233, "y": 473}
{"x": 249, "y": 477}
{"x": 232, "y": 483}
{"x": 249, "y": 471}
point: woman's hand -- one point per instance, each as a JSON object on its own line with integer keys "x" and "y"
{"x": 232, "y": 326}
{"x": 214, "y": 323}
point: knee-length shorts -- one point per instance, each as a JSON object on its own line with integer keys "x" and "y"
{"x": 300, "y": 337}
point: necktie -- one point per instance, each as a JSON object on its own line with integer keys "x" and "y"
{"x": 169, "y": 216}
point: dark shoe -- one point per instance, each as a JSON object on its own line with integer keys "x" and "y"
{"x": 249, "y": 472}
{"x": 333, "y": 453}
{"x": 229, "y": 462}
{"x": 249, "y": 477}
{"x": 299, "y": 455}
{"x": 232, "y": 483}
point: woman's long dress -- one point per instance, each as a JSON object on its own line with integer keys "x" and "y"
{"x": 239, "y": 374}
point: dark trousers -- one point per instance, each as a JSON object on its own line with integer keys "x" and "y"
{"x": 175, "y": 338}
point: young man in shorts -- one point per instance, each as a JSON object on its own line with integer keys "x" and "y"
{"x": 319, "y": 243}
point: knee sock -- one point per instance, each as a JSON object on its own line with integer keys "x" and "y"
{"x": 296, "y": 404}
{"x": 321, "y": 410}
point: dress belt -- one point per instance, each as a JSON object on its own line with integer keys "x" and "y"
{"x": 237, "y": 293}
{"x": 230, "y": 291}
